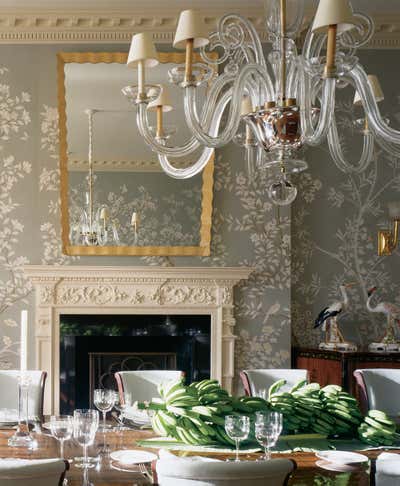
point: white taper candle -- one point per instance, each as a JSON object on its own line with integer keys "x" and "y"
{"x": 24, "y": 341}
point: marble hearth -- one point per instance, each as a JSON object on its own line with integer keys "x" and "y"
{"x": 63, "y": 290}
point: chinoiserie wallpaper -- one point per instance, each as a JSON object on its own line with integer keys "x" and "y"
{"x": 332, "y": 234}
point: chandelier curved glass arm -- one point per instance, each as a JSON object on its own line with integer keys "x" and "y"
{"x": 388, "y": 147}
{"x": 234, "y": 119}
{"x": 207, "y": 152}
{"x": 188, "y": 172}
{"x": 192, "y": 144}
{"x": 315, "y": 136}
{"x": 377, "y": 123}
{"x": 337, "y": 153}
{"x": 232, "y": 24}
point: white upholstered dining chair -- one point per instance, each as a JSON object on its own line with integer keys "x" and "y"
{"x": 9, "y": 400}
{"x": 379, "y": 389}
{"x": 32, "y": 472}
{"x": 142, "y": 384}
{"x": 256, "y": 380}
{"x": 202, "y": 471}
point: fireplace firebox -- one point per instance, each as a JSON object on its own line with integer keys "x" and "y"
{"x": 94, "y": 347}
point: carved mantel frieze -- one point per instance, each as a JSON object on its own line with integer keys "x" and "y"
{"x": 130, "y": 290}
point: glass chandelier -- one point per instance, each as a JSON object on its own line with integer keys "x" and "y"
{"x": 287, "y": 99}
{"x": 95, "y": 227}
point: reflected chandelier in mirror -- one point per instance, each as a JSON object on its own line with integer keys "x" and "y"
{"x": 115, "y": 199}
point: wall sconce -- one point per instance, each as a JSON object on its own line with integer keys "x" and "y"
{"x": 388, "y": 238}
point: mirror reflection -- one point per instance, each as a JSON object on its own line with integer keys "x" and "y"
{"x": 117, "y": 193}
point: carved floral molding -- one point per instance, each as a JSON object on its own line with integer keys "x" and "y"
{"x": 68, "y": 26}
{"x": 133, "y": 290}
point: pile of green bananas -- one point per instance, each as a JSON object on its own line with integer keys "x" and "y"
{"x": 195, "y": 414}
{"x": 298, "y": 406}
{"x": 378, "y": 429}
{"x": 309, "y": 408}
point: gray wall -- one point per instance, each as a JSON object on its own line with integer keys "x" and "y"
{"x": 335, "y": 223}
{"x": 244, "y": 229}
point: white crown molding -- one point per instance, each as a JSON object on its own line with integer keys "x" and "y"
{"x": 19, "y": 26}
{"x": 133, "y": 290}
{"x": 81, "y": 165}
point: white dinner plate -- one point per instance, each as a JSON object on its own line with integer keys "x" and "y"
{"x": 129, "y": 457}
{"x": 342, "y": 457}
{"x": 332, "y": 466}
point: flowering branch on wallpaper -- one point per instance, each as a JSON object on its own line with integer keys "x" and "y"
{"x": 361, "y": 198}
{"x": 14, "y": 288}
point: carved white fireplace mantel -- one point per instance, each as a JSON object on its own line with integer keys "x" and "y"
{"x": 132, "y": 290}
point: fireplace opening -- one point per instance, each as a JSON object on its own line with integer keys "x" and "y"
{"x": 94, "y": 347}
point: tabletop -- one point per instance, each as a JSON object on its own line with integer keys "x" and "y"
{"x": 105, "y": 473}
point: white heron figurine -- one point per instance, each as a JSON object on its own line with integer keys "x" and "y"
{"x": 392, "y": 313}
{"x": 327, "y": 321}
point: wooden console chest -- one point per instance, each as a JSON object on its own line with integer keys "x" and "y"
{"x": 336, "y": 367}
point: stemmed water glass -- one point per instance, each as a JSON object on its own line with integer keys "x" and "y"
{"x": 268, "y": 427}
{"x": 237, "y": 427}
{"x": 86, "y": 423}
{"x": 62, "y": 428}
{"x": 104, "y": 400}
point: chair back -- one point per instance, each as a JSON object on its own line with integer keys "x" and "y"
{"x": 256, "y": 380}
{"x": 387, "y": 469}
{"x": 198, "y": 471}
{"x": 143, "y": 383}
{"x": 9, "y": 381}
{"x": 379, "y": 389}
{"x": 32, "y": 472}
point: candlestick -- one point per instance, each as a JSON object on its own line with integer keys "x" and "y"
{"x": 24, "y": 341}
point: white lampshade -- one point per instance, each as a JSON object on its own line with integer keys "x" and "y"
{"x": 333, "y": 12}
{"x": 376, "y": 89}
{"x": 163, "y": 100}
{"x": 142, "y": 49}
{"x": 104, "y": 213}
{"x": 190, "y": 26}
{"x": 246, "y": 106}
{"x": 394, "y": 209}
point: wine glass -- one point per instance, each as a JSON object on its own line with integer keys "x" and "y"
{"x": 237, "y": 427}
{"x": 86, "y": 423}
{"x": 268, "y": 426}
{"x": 62, "y": 428}
{"x": 104, "y": 400}
{"x": 122, "y": 402}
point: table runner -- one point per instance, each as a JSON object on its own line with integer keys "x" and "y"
{"x": 287, "y": 444}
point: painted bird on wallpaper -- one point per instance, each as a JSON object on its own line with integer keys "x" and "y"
{"x": 335, "y": 308}
{"x": 391, "y": 311}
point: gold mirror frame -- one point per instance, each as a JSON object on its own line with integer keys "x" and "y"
{"x": 207, "y": 188}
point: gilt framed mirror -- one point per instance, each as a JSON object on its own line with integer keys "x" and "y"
{"x": 138, "y": 209}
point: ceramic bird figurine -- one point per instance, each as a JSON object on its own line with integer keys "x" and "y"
{"x": 327, "y": 321}
{"x": 392, "y": 313}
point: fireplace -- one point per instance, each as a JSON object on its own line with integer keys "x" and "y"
{"x": 133, "y": 291}
{"x": 94, "y": 347}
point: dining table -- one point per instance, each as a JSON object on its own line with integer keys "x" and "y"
{"x": 107, "y": 472}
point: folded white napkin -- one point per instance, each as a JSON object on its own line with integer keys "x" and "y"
{"x": 388, "y": 469}
{"x": 137, "y": 416}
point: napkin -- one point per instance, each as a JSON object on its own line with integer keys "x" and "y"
{"x": 388, "y": 469}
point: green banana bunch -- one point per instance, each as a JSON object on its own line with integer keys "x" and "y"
{"x": 342, "y": 408}
{"x": 378, "y": 429}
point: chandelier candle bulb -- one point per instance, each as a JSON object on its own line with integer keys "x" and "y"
{"x": 142, "y": 53}
{"x": 104, "y": 214}
{"x": 247, "y": 108}
{"x": 24, "y": 341}
{"x": 191, "y": 33}
{"x": 333, "y": 12}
